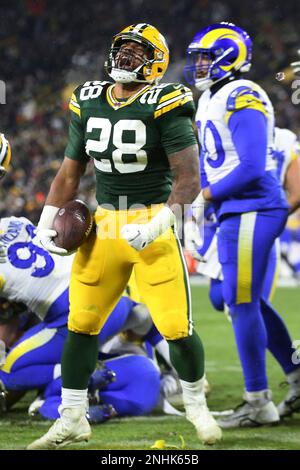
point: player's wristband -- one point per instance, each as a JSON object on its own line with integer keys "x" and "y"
{"x": 47, "y": 217}
{"x": 163, "y": 220}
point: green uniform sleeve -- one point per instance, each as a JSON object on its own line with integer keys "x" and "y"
{"x": 76, "y": 145}
{"x": 174, "y": 114}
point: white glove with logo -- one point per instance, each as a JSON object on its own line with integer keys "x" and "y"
{"x": 137, "y": 235}
{"x": 198, "y": 207}
{"x": 141, "y": 235}
{"x": 45, "y": 234}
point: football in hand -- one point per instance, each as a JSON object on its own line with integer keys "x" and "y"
{"x": 73, "y": 224}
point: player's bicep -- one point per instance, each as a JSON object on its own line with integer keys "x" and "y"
{"x": 185, "y": 163}
{"x": 184, "y": 166}
{"x": 76, "y": 145}
{"x": 68, "y": 178}
{"x": 72, "y": 169}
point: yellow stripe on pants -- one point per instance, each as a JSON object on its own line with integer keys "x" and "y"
{"x": 35, "y": 341}
{"x": 245, "y": 254}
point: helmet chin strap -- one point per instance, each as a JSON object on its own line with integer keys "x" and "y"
{"x": 205, "y": 83}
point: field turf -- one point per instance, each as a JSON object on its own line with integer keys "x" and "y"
{"x": 224, "y": 375}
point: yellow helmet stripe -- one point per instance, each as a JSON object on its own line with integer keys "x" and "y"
{"x": 208, "y": 40}
{"x": 139, "y": 28}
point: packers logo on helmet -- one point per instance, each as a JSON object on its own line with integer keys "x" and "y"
{"x": 151, "y": 66}
{"x": 5, "y": 155}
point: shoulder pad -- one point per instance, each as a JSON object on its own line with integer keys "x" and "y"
{"x": 172, "y": 96}
{"x": 167, "y": 88}
{"x": 245, "y": 97}
{"x": 87, "y": 91}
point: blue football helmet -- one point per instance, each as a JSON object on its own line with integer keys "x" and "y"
{"x": 216, "y": 53}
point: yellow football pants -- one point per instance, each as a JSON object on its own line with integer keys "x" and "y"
{"x": 102, "y": 268}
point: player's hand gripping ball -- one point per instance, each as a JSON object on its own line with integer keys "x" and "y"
{"x": 73, "y": 224}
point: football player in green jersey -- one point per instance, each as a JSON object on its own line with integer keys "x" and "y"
{"x": 140, "y": 137}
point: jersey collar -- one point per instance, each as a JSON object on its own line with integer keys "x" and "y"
{"x": 115, "y": 104}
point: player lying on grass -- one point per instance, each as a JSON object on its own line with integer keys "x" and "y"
{"x": 30, "y": 275}
{"x": 129, "y": 383}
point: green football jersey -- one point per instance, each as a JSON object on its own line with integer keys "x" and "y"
{"x": 130, "y": 140}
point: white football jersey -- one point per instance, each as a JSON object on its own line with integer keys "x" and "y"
{"x": 220, "y": 156}
{"x": 286, "y": 150}
{"x": 31, "y": 274}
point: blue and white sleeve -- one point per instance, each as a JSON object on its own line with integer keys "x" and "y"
{"x": 248, "y": 129}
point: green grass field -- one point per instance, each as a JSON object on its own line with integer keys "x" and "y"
{"x": 224, "y": 374}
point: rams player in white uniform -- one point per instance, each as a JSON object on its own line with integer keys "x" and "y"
{"x": 287, "y": 156}
{"x": 235, "y": 119}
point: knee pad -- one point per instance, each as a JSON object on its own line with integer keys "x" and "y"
{"x": 174, "y": 328}
{"x": 88, "y": 322}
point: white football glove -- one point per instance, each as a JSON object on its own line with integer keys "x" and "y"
{"x": 137, "y": 235}
{"x": 45, "y": 233}
{"x": 192, "y": 239}
{"x": 3, "y": 253}
{"x": 198, "y": 207}
{"x": 169, "y": 385}
{"x": 44, "y": 237}
{"x": 141, "y": 235}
